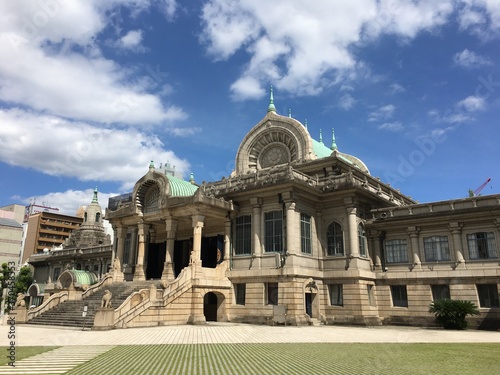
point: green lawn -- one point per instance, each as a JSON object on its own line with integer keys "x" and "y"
{"x": 23, "y": 352}
{"x": 297, "y": 359}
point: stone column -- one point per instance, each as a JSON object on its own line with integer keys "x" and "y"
{"x": 456, "y": 233}
{"x": 319, "y": 240}
{"x": 256, "y": 231}
{"x": 413, "y": 232}
{"x": 374, "y": 249}
{"x": 168, "y": 268}
{"x": 352, "y": 228}
{"x": 198, "y": 222}
{"x": 139, "y": 267}
{"x": 133, "y": 245}
{"x": 121, "y": 234}
{"x": 227, "y": 239}
{"x": 292, "y": 234}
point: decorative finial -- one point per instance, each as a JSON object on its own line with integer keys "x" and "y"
{"x": 334, "y": 145}
{"x": 320, "y": 136}
{"x": 305, "y": 123}
{"x": 271, "y": 107}
{"x": 191, "y": 178}
{"x": 94, "y": 199}
{"x": 290, "y": 112}
{"x": 152, "y": 166}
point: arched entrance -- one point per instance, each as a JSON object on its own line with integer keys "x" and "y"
{"x": 210, "y": 306}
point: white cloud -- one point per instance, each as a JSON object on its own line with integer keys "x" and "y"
{"x": 382, "y": 113}
{"x": 131, "y": 41}
{"x": 58, "y": 80}
{"x": 470, "y": 59}
{"x": 391, "y": 126}
{"x": 481, "y": 17}
{"x": 313, "y": 41}
{"x": 396, "y": 88}
{"x": 58, "y": 147}
{"x": 346, "y": 102}
{"x": 472, "y": 104}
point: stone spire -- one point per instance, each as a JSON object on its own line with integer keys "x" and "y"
{"x": 271, "y": 107}
{"x": 334, "y": 145}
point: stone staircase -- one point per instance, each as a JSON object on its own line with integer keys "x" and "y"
{"x": 69, "y": 313}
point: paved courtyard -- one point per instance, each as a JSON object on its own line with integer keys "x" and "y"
{"x": 227, "y": 333}
{"x": 79, "y": 346}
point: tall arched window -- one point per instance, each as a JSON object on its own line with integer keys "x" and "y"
{"x": 362, "y": 240}
{"x": 85, "y": 216}
{"x": 97, "y": 217}
{"x": 335, "y": 240}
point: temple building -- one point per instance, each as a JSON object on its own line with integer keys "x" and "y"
{"x": 86, "y": 254}
{"x": 302, "y": 233}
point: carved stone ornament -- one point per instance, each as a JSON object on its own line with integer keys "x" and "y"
{"x": 274, "y": 155}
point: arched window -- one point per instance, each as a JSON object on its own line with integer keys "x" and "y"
{"x": 362, "y": 240}
{"x": 335, "y": 240}
{"x": 152, "y": 199}
{"x": 85, "y": 216}
{"x": 97, "y": 217}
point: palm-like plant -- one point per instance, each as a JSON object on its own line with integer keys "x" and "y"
{"x": 451, "y": 313}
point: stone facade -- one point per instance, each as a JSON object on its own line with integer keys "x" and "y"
{"x": 304, "y": 226}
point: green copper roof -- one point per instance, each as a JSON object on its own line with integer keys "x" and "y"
{"x": 271, "y": 107}
{"x": 320, "y": 149}
{"x": 181, "y": 188}
{"x": 83, "y": 277}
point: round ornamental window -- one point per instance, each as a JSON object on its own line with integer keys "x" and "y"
{"x": 274, "y": 155}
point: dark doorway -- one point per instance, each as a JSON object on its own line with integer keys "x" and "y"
{"x": 309, "y": 304}
{"x": 182, "y": 251}
{"x": 210, "y": 307}
{"x": 212, "y": 251}
{"x": 156, "y": 260}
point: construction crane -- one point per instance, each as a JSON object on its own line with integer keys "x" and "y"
{"x": 476, "y": 192}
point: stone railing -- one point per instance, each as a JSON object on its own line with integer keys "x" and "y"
{"x": 488, "y": 201}
{"x": 88, "y": 250}
{"x": 52, "y": 302}
{"x": 108, "y": 279}
{"x": 142, "y": 300}
{"x": 286, "y": 173}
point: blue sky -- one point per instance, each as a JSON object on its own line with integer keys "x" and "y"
{"x": 91, "y": 91}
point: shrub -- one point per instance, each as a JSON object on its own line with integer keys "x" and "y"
{"x": 451, "y": 313}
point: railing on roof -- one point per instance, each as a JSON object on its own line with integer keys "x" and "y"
{"x": 286, "y": 173}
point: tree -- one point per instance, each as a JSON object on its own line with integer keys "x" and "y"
{"x": 451, "y": 314}
{"x": 23, "y": 280}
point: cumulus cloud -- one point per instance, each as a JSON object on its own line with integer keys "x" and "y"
{"x": 470, "y": 59}
{"x": 346, "y": 101}
{"x": 311, "y": 44}
{"x": 382, "y": 113}
{"x": 472, "y": 103}
{"x": 59, "y": 147}
{"x": 131, "y": 41}
{"x": 480, "y": 17}
{"x": 60, "y": 81}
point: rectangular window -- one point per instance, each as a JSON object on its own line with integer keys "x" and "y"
{"x": 305, "y": 233}
{"x": 273, "y": 224}
{"x": 396, "y": 251}
{"x": 488, "y": 295}
{"x": 436, "y": 248}
{"x": 440, "y": 292}
{"x": 371, "y": 295}
{"x": 239, "y": 293}
{"x": 336, "y": 294}
{"x": 362, "y": 240}
{"x": 57, "y": 272}
{"x": 271, "y": 293}
{"x": 399, "y": 296}
{"x": 243, "y": 242}
{"x": 481, "y": 245}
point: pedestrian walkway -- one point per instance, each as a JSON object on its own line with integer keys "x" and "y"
{"x": 57, "y": 361}
{"x": 220, "y": 333}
